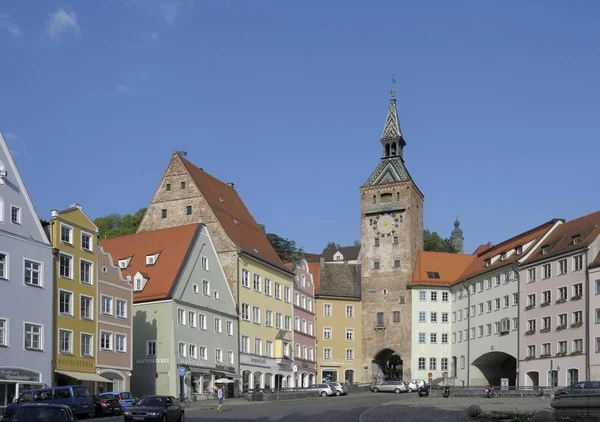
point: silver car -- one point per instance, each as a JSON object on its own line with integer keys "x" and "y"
{"x": 322, "y": 390}
{"x": 340, "y": 389}
{"x": 389, "y": 386}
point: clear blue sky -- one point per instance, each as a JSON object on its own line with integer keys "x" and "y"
{"x": 499, "y": 103}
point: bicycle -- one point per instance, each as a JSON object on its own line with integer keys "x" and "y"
{"x": 210, "y": 395}
{"x": 187, "y": 400}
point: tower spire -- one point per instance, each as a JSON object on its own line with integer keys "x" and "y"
{"x": 391, "y": 138}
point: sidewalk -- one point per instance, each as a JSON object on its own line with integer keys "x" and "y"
{"x": 210, "y": 404}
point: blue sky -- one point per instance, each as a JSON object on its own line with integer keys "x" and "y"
{"x": 498, "y": 101}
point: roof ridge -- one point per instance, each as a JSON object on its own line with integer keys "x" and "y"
{"x": 583, "y": 216}
{"x": 504, "y": 242}
{"x": 204, "y": 171}
{"x": 150, "y": 231}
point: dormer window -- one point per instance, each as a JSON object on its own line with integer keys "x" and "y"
{"x": 519, "y": 250}
{"x": 235, "y": 221}
{"x": 124, "y": 263}
{"x": 488, "y": 262}
{"x": 151, "y": 259}
{"x": 433, "y": 274}
{"x": 545, "y": 249}
{"x": 577, "y": 239}
{"x": 221, "y": 199}
{"x": 139, "y": 284}
{"x": 503, "y": 256}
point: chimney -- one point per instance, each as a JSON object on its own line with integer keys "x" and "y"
{"x": 230, "y": 184}
{"x": 322, "y": 260}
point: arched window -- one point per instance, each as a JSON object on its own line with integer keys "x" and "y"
{"x": 572, "y": 376}
{"x": 387, "y": 150}
{"x": 394, "y": 148}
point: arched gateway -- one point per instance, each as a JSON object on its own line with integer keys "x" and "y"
{"x": 387, "y": 364}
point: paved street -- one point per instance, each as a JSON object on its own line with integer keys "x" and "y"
{"x": 373, "y": 407}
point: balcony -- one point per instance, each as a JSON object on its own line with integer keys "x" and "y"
{"x": 285, "y": 362}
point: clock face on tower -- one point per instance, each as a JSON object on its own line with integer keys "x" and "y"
{"x": 387, "y": 224}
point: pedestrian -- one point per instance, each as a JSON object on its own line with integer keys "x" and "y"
{"x": 220, "y": 397}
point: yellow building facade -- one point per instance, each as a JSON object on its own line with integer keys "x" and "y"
{"x": 339, "y": 339}
{"x": 74, "y": 239}
{"x": 266, "y": 330}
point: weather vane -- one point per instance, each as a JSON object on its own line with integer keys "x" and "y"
{"x": 393, "y": 91}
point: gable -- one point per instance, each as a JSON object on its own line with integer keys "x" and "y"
{"x": 74, "y": 214}
{"x": 13, "y": 194}
{"x": 389, "y": 170}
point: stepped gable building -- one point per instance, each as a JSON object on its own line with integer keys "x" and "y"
{"x": 339, "y": 314}
{"x": 187, "y": 194}
{"x": 560, "y": 309}
{"x": 391, "y": 237}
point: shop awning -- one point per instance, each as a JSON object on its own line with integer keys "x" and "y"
{"x": 83, "y": 376}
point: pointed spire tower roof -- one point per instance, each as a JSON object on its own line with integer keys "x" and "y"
{"x": 391, "y": 130}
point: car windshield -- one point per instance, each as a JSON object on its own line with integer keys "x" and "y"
{"x": 151, "y": 401}
{"x": 81, "y": 391}
{"x": 46, "y": 414}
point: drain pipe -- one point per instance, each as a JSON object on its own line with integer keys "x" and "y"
{"x": 587, "y": 349}
{"x": 518, "y": 368}
{"x": 469, "y": 336}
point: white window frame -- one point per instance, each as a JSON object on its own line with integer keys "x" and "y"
{"x": 351, "y": 309}
{"x": 206, "y": 287}
{"x": 19, "y": 214}
{"x": 91, "y": 299}
{"x": 111, "y": 337}
{"x": 327, "y": 352}
{"x": 218, "y": 325}
{"x": 349, "y": 352}
{"x": 245, "y": 278}
{"x": 91, "y": 237}
{"x": 327, "y": 330}
{"x": 60, "y": 348}
{"x": 149, "y": 345}
{"x": 124, "y": 337}
{"x": 218, "y": 355}
{"x": 124, "y": 303}
{"x": 71, "y": 305}
{"x": 112, "y": 305}
{"x": 230, "y": 357}
{"x": 40, "y": 272}
{"x": 201, "y": 321}
{"x": 183, "y": 321}
{"x": 193, "y": 351}
{"x": 182, "y": 351}
{"x": 91, "y": 273}
{"x": 229, "y": 328}
{"x": 192, "y": 319}
{"x": 4, "y": 275}
{"x": 202, "y": 352}
{"x": 4, "y": 322}
{"x": 326, "y": 307}
{"x": 71, "y": 260}
{"x": 91, "y": 351}
{"x": 351, "y": 332}
{"x": 71, "y": 232}
{"x": 204, "y": 262}
{"x": 41, "y": 335}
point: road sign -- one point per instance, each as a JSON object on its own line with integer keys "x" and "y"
{"x": 181, "y": 371}
{"x": 295, "y": 368}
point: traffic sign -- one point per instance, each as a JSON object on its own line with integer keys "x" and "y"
{"x": 181, "y": 371}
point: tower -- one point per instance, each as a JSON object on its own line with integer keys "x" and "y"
{"x": 456, "y": 238}
{"x": 391, "y": 236}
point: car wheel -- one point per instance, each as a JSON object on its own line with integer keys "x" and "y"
{"x": 337, "y": 393}
{"x": 323, "y": 394}
{"x": 376, "y": 390}
{"x": 182, "y": 416}
{"x": 397, "y": 391}
{"x": 165, "y": 418}
{"x": 410, "y": 390}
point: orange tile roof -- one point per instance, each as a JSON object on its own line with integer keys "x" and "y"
{"x": 172, "y": 244}
{"x": 315, "y": 269}
{"x": 233, "y": 215}
{"x": 478, "y": 265}
{"x": 561, "y": 239}
{"x": 449, "y": 266}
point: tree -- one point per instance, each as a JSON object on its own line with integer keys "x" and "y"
{"x": 115, "y": 225}
{"x": 285, "y": 248}
{"x": 434, "y": 242}
{"x": 333, "y": 245}
{"x": 356, "y": 243}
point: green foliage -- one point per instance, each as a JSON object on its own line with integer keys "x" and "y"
{"x": 333, "y": 245}
{"x": 285, "y": 248}
{"x": 356, "y": 243}
{"x": 115, "y": 225}
{"x": 434, "y": 242}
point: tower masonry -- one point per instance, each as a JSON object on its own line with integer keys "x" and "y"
{"x": 391, "y": 236}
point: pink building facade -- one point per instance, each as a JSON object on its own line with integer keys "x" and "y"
{"x": 557, "y": 320}
{"x": 115, "y": 322}
{"x": 305, "y": 341}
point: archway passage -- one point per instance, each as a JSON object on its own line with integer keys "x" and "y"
{"x": 389, "y": 365}
{"x": 533, "y": 379}
{"x": 497, "y": 365}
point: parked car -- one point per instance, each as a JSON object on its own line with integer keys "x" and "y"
{"x": 125, "y": 398}
{"x": 414, "y": 385}
{"x": 424, "y": 390}
{"x": 107, "y": 405}
{"x": 579, "y": 388}
{"x": 340, "y": 389}
{"x": 155, "y": 408}
{"x": 390, "y": 386}
{"x": 322, "y": 390}
{"x": 34, "y": 412}
{"x": 77, "y": 397}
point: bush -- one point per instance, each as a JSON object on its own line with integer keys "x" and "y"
{"x": 474, "y": 410}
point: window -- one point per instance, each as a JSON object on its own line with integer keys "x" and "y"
{"x": 287, "y": 294}
{"x": 181, "y": 316}
{"x": 188, "y": 211}
{"x": 396, "y": 240}
{"x": 65, "y": 302}
{"x": 349, "y": 354}
{"x": 433, "y": 274}
{"x": 245, "y": 344}
{"x": 488, "y": 329}
{"x": 562, "y": 266}
{"x": 66, "y": 266}
{"x": 277, "y": 291}
{"x": 202, "y": 321}
{"x": 182, "y": 349}
{"x": 578, "y": 290}
{"x": 462, "y": 362}
{"x": 433, "y": 296}
{"x": 257, "y": 346}
{"x": 192, "y": 319}
{"x": 65, "y": 341}
{"x": 497, "y": 303}
{"x": 515, "y": 300}
{"x": 196, "y": 289}
{"x": 531, "y": 301}
{"x": 107, "y": 305}
{"x": 256, "y": 283}
{"x": 120, "y": 343}
{"x": 218, "y": 328}
{"x": 310, "y": 328}
{"x": 203, "y": 355}
{"x": 163, "y": 213}
{"x": 472, "y": 332}
{"x": 422, "y": 296}
{"x": 396, "y": 263}
{"x": 86, "y": 344}
{"x": 546, "y": 323}
{"x": 396, "y": 316}
{"x": 376, "y": 241}
{"x": 433, "y": 317}
{"x": 269, "y": 318}
{"x": 106, "y": 340}
{"x": 86, "y": 307}
{"x": 193, "y": 351}
{"x": 66, "y": 234}
{"x": 182, "y": 185}
{"x": 350, "y": 334}
{"x": 562, "y": 293}
{"x": 33, "y": 337}
{"x": 168, "y": 187}
{"x": 327, "y": 333}
{"x": 577, "y": 317}
{"x": 267, "y": 287}
{"x": 206, "y": 287}
{"x": 444, "y": 338}
{"x": 562, "y": 347}
{"x": 444, "y": 296}
{"x": 531, "y": 275}
{"x": 245, "y": 278}
{"x": 545, "y": 348}
{"x": 15, "y": 214}
{"x": 577, "y": 262}
{"x": 327, "y": 309}
{"x": 288, "y": 323}
{"x": 349, "y": 311}
{"x": 121, "y": 308}
{"x": 245, "y": 312}
{"x": 422, "y": 338}
{"x": 230, "y": 357}
{"x": 546, "y": 271}
{"x": 3, "y": 332}
{"x": 519, "y": 250}
{"x": 33, "y": 275}
{"x": 531, "y": 326}
{"x": 86, "y": 241}
{"x": 531, "y": 351}
{"x": 376, "y": 265}
{"x": 256, "y": 314}
{"x": 327, "y": 353}
{"x": 422, "y": 364}
{"x": 151, "y": 348}
{"x": 3, "y": 263}
{"x": 572, "y": 376}
{"x": 503, "y": 256}
{"x": 310, "y": 305}
{"x": 432, "y": 364}
{"x": 230, "y": 328}
{"x": 562, "y": 320}
{"x": 578, "y": 345}
{"x": 422, "y": 316}
{"x": 506, "y": 301}
{"x": 433, "y": 338}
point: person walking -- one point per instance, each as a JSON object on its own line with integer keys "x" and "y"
{"x": 220, "y": 395}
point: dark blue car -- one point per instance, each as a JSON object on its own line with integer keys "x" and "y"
{"x": 77, "y": 397}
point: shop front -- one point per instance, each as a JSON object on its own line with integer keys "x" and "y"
{"x": 199, "y": 379}
{"x": 305, "y": 374}
{"x": 13, "y": 381}
{"x": 115, "y": 380}
{"x": 262, "y": 373}
{"x": 77, "y": 371}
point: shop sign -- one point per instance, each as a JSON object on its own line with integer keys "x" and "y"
{"x": 254, "y": 360}
{"x": 151, "y": 361}
{"x": 225, "y": 368}
{"x": 18, "y": 374}
{"x": 66, "y": 363}
{"x": 188, "y": 362}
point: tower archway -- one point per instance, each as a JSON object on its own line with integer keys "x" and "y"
{"x": 387, "y": 364}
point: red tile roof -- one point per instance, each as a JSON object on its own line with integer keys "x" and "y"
{"x": 315, "y": 269}
{"x": 233, "y": 215}
{"x": 448, "y": 266}
{"x": 172, "y": 244}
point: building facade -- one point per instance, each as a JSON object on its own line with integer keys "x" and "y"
{"x": 74, "y": 238}
{"x": 557, "y": 330}
{"x": 594, "y": 301}
{"x": 114, "y": 359}
{"x": 26, "y": 286}
{"x": 391, "y": 237}
{"x": 305, "y": 344}
{"x": 183, "y": 313}
{"x": 339, "y": 329}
